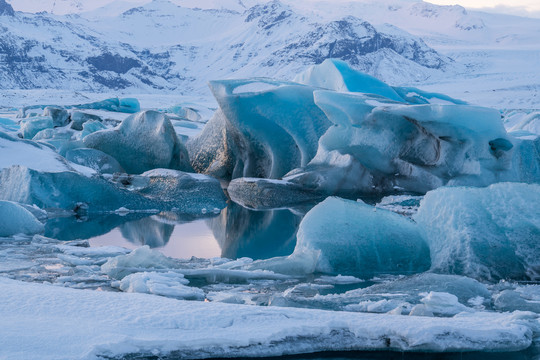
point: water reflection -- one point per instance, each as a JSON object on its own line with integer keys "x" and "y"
{"x": 241, "y": 232}
{"x": 148, "y": 231}
{"x": 237, "y": 231}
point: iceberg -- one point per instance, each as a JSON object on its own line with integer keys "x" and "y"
{"x": 378, "y": 146}
{"x": 79, "y": 118}
{"x": 264, "y": 128}
{"x": 60, "y": 116}
{"x": 259, "y": 193}
{"x": 17, "y": 220}
{"x": 37, "y": 156}
{"x": 337, "y": 75}
{"x": 353, "y": 238}
{"x": 485, "y": 233}
{"x": 94, "y": 159}
{"x": 91, "y": 126}
{"x": 158, "y": 190}
{"x": 31, "y": 126}
{"x": 124, "y": 105}
{"x": 140, "y": 259}
{"x": 142, "y": 142}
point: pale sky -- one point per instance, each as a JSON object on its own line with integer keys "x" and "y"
{"x": 518, "y": 7}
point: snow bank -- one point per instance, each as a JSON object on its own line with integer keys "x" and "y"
{"x": 120, "y": 324}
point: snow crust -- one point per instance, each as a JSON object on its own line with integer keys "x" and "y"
{"x": 119, "y": 324}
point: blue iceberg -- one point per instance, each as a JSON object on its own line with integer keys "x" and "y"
{"x": 485, "y": 233}
{"x": 142, "y": 142}
{"x": 264, "y": 128}
{"x": 16, "y": 220}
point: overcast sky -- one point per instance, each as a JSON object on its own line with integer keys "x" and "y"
{"x": 518, "y": 7}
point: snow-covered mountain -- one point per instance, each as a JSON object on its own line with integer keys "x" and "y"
{"x": 161, "y": 46}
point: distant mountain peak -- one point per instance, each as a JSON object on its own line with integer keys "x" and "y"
{"x": 6, "y": 9}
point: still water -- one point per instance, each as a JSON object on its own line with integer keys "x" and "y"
{"x": 235, "y": 232}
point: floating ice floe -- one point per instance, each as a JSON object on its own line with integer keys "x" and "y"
{"x": 123, "y": 325}
{"x": 486, "y": 233}
{"x": 16, "y": 219}
{"x": 264, "y": 128}
{"x": 169, "y": 284}
{"x": 142, "y": 142}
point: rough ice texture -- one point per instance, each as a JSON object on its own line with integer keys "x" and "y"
{"x": 121, "y": 324}
{"x": 378, "y": 145}
{"x": 15, "y": 219}
{"x": 269, "y": 193}
{"x": 70, "y": 190}
{"x": 94, "y": 159}
{"x": 78, "y": 118}
{"x": 142, "y": 142}
{"x": 31, "y": 126}
{"x": 140, "y": 259}
{"x": 354, "y": 238}
{"x": 59, "y": 115}
{"x": 125, "y": 105}
{"x": 258, "y": 131}
{"x": 169, "y": 284}
{"x": 334, "y": 74}
{"x": 486, "y": 233}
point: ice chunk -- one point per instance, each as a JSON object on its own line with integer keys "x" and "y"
{"x": 16, "y": 151}
{"x": 172, "y": 191}
{"x": 60, "y": 116}
{"x": 90, "y": 127}
{"x": 94, "y": 159}
{"x": 31, "y": 126}
{"x": 78, "y": 118}
{"x": 441, "y": 303}
{"x": 337, "y": 75}
{"x": 258, "y": 134}
{"x": 140, "y": 259}
{"x": 269, "y": 193}
{"x": 138, "y": 325}
{"x": 384, "y": 146}
{"x": 169, "y": 284}
{"x": 66, "y": 190}
{"x": 357, "y": 239}
{"x": 416, "y": 96}
{"x": 142, "y": 142}
{"x": 182, "y": 192}
{"x": 125, "y": 105}
{"x": 485, "y": 233}
{"x": 17, "y": 220}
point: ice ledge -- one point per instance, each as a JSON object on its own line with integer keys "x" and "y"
{"x": 92, "y": 324}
